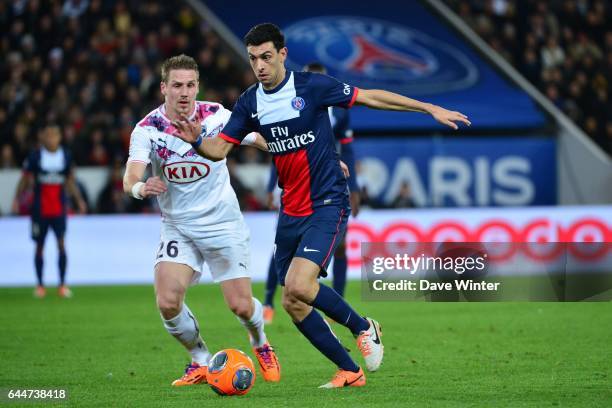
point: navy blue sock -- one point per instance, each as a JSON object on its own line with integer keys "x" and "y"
{"x": 38, "y": 264}
{"x": 334, "y": 306}
{"x": 339, "y": 281}
{"x": 271, "y": 283}
{"x": 62, "y": 267}
{"x": 314, "y": 328}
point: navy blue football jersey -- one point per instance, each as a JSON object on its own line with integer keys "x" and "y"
{"x": 294, "y": 120}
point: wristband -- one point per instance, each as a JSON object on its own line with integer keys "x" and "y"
{"x": 136, "y": 190}
{"x": 197, "y": 143}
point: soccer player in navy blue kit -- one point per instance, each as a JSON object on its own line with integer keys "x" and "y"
{"x": 290, "y": 110}
{"x": 340, "y": 122}
{"x": 50, "y": 169}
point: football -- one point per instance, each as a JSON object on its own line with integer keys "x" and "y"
{"x": 231, "y": 372}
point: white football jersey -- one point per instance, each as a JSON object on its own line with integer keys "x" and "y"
{"x": 199, "y": 190}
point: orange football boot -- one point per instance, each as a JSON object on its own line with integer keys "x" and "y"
{"x": 344, "y": 378}
{"x": 268, "y": 363}
{"x": 40, "y": 292}
{"x": 64, "y": 292}
{"x": 194, "y": 374}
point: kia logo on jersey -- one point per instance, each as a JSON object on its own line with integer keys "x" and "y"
{"x": 185, "y": 172}
{"x": 372, "y": 53}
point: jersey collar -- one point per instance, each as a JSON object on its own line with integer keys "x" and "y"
{"x": 288, "y": 74}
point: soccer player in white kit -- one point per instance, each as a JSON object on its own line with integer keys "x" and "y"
{"x": 201, "y": 218}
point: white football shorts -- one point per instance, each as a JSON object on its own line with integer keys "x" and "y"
{"x": 224, "y": 248}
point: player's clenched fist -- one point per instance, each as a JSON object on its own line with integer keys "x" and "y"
{"x": 153, "y": 187}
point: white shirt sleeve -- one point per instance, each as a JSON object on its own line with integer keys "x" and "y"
{"x": 140, "y": 146}
{"x": 215, "y": 123}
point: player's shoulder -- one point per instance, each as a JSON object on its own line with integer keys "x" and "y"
{"x": 32, "y": 157}
{"x": 312, "y": 77}
{"x": 211, "y": 111}
{"x": 154, "y": 119}
{"x": 249, "y": 93}
{"x": 66, "y": 152}
{"x": 251, "y": 89}
{"x": 208, "y": 107}
{"x": 247, "y": 98}
{"x": 304, "y": 75}
{"x": 34, "y": 153}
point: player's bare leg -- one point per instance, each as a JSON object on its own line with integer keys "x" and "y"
{"x": 171, "y": 283}
{"x": 301, "y": 283}
{"x": 249, "y": 311}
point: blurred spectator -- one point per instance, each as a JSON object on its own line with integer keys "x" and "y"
{"x": 368, "y": 201}
{"x": 74, "y": 8}
{"x": 112, "y": 199}
{"x": 566, "y": 51}
{"x": 404, "y": 197}
{"x": 7, "y": 158}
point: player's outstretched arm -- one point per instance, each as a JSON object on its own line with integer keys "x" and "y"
{"x": 134, "y": 186}
{"x": 214, "y": 148}
{"x": 385, "y": 100}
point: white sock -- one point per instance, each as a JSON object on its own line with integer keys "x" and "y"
{"x": 255, "y": 325}
{"x": 184, "y": 327}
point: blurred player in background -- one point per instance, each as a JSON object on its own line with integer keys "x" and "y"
{"x": 343, "y": 134}
{"x": 201, "y": 219}
{"x": 290, "y": 110}
{"x": 49, "y": 169}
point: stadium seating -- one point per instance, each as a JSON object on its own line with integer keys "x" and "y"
{"x": 563, "y": 47}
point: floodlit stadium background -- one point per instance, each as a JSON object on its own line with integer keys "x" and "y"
{"x": 533, "y": 77}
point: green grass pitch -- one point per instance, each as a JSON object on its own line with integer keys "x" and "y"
{"x": 107, "y": 347}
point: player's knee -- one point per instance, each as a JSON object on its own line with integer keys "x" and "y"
{"x": 169, "y": 306}
{"x": 299, "y": 290}
{"x": 242, "y": 308}
{"x": 292, "y": 305}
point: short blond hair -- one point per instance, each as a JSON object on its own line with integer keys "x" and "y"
{"x": 178, "y": 62}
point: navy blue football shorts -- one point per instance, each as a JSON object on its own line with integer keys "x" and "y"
{"x": 314, "y": 237}
{"x": 41, "y": 225}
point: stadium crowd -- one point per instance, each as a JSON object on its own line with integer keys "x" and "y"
{"x": 92, "y": 66}
{"x": 564, "y": 47}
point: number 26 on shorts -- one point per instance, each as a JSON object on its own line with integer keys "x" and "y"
{"x": 171, "y": 249}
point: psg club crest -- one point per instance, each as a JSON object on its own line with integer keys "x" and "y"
{"x": 298, "y": 103}
{"x": 372, "y": 53}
